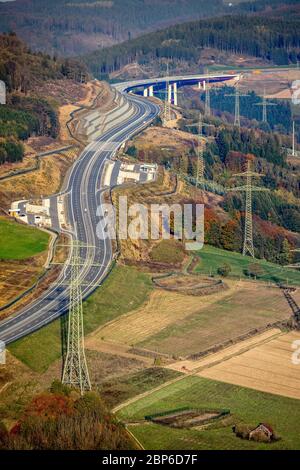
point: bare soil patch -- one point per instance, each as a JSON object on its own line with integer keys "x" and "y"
{"x": 187, "y": 418}
{"x": 173, "y": 139}
{"x": 277, "y": 83}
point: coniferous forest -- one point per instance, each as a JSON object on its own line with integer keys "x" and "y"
{"x": 274, "y": 40}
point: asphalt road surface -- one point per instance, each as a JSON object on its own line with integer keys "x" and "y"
{"x": 84, "y": 199}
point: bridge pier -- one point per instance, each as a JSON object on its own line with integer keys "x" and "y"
{"x": 170, "y": 94}
{"x": 175, "y": 95}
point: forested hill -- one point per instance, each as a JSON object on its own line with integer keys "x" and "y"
{"x": 267, "y": 38}
{"x": 21, "y": 69}
{"x": 27, "y": 114}
{"x": 73, "y": 27}
{"x": 70, "y": 27}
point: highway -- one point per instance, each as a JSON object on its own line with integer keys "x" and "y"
{"x": 84, "y": 197}
{"x": 85, "y": 194}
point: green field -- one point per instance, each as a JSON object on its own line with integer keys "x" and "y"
{"x": 247, "y": 406}
{"x": 120, "y": 389}
{"x": 20, "y": 241}
{"x": 210, "y": 258}
{"x": 124, "y": 290}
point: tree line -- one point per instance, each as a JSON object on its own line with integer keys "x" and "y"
{"x": 25, "y": 114}
{"x": 61, "y": 419}
{"x": 62, "y": 26}
{"x": 21, "y": 69}
{"x": 271, "y": 39}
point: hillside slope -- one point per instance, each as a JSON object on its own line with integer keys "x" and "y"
{"x": 72, "y": 27}
{"x": 265, "y": 38}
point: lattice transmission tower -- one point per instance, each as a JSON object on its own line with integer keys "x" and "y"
{"x": 167, "y": 102}
{"x": 265, "y": 105}
{"x": 75, "y": 371}
{"x": 293, "y": 139}
{"x": 237, "y": 114}
{"x": 248, "y": 246}
{"x": 200, "y": 170}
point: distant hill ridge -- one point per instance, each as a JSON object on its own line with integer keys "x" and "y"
{"x": 70, "y": 27}
{"x": 270, "y": 39}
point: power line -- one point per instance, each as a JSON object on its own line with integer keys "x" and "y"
{"x": 75, "y": 372}
{"x": 248, "y": 246}
{"x": 200, "y": 159}
{"x": 168, "y": 95}
{"x": 264, "y": 105}
{"x": 237, "y": 115}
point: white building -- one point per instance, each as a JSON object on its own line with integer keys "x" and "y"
{"x": 296, "y": 92}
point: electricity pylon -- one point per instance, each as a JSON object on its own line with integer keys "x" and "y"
{"x": 75, "y": 371}
{"x": 264, "y": 105}
{"x": 237, "y": 115}
{"x": 248, "y": 246}
{"x": 167, "y": 107}
{"x": 200, "y": 160}
{"x": 294, "y": 141}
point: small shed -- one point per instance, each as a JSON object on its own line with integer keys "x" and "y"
{"x": 264, "y": 429}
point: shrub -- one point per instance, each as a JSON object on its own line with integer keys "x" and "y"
{"x": 168, "y": 251}
{"x": 59, "y": 388}
{"x": 260, "y": 436}
{"x": 132, "y": 151}
{"x": 242, "y": 431}
{"x": 158, "y": 361}
{"x": 255, "y": 270}
{"x": 224, "y": 270}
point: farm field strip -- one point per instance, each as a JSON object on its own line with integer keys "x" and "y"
{"x": 225, "y": 319}
{"x": 226, "y": 353}
{"x": 178, "y": 324}
{"x": 163, "y": 309}
{"x": 266, "y": 367}
{"x": 259, "y": 384}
